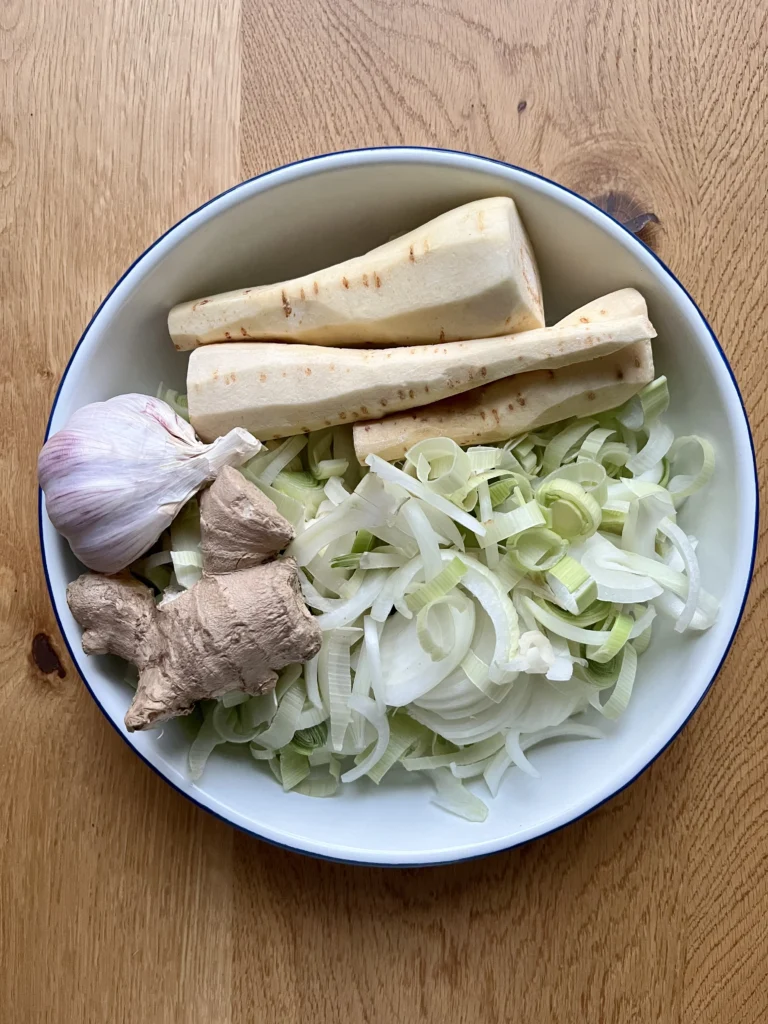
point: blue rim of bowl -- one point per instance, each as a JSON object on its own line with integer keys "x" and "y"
{"x": 705, "y": 691}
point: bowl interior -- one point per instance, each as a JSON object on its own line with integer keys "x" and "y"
{"x": 310, "y": 215}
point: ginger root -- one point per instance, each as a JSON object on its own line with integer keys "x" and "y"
{"x": 234, "y": 629}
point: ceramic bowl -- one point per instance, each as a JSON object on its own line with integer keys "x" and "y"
{"x": 313, "y": 213}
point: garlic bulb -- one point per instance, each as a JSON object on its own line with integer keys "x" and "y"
{"x": 120, "y": 470}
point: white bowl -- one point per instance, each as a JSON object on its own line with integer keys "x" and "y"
{"x": 316, "y": 212}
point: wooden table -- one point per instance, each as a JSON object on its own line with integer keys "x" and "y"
{"x": 119, "y": 900}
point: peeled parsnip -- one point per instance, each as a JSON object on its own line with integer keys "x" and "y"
{"x": 469, "y": 273}
{"x": 526, "y": 400}
{"x": 274, "y": 390}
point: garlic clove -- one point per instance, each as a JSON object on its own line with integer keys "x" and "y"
{"x": 118, "y": 473}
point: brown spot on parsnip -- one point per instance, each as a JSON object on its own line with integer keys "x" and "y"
{"x": 590, "y": 396}
{"x": 495, "y": 414}
{"x": 522, "y": 401}
{"x": 511, "y": 406}
{"x": 345, "y": 282}
{"x": 383, "y": 402}
{"x": 244, "y": 333}
{"x": 227, "y": 335}
{"x": 401, "y": 395}
{"x": 315, "y": 287}
{"x": 365, "y": 280}
{"x": 302, "y": 294}
{"x": 262, "y": 377}
{"x": 307, "y": 372}
{"x": 411, "y": 393}
{"x": 215, "y": 374}
{"x": 637, "y": 362}
{"x": 551, "y": 374}
{"x": 483, "y": 371}
{"x": 286, "y": 304}
{"x": 377, "y": 280}
{"x": 200, "y": 302}
{"x": 411, "y": 255}
{"x": 583, "y": 319}
{"x": 482, "y": 414}
{"x": 603, "y": 312}
{"x": 426, "y": 389}
{"x": 620, "y": 375}
{"x": 342, "y": 415}
{"x": 364, "y": 410}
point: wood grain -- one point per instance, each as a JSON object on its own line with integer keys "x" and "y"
{"x": 118, "y": 900}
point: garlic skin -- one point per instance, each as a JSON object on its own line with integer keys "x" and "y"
{"x": 118, "y": 473}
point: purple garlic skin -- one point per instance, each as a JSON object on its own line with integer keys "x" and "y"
{"x": 119, "y": 472}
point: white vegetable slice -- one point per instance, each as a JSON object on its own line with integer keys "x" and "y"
{"x": 409, "y": 671}
{"x": 280, "y": 458}
{"x": 562, "y": 442}
{"x": 310, "y": 677}
{"x": 660, "y": 438}
{"x": 642, "y": 521}
{"x": 335, "y": 490}
{"x": 185, "y": 545}
{"x": 683, "y": 485}
{"x": 345, "y": 612}
{"x": 440, "y": 463}
{"x": 415, "y": 487}
{"x": 207, "y": 739}
{"x": 562, "y": 628}
{"x": 503, "y": 525}
{"x": 371, "y": 635}
{"x": 378, "y": 719}
{"x": 480, "y": 726}
{"x": 688, "y": 555}
{"x": 622, "y": 691}
{"x": 286, "y": 719}
{"x": 452, "y": 796}
{"x": 395, "y": 587}
{"x": 336, "y": 682}
{"x": 516, "y": 755}
{"x": 496, "y": 769}
{"x": 469, "y": 755}
{"x": 422, "y": 532}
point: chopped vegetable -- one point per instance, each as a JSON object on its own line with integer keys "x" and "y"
{"x": 477, "y": 602}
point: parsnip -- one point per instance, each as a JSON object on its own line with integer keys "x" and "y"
{"x": 275, "y": 390}
{"x": 469, "y": 273}
{"x": 528, "y": 400}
